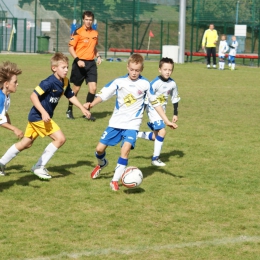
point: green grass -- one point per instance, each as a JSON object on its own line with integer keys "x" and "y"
{"x": 203, "y": 205}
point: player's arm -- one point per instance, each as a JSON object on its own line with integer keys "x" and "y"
{"x": 97, "y": 56}
{"x": 74, "y": 100}
{"x": 36, "y": 102}
{"x": 175, "y": 112}
{"x": 160, "y": 111}
{"x": 9, "y": 126}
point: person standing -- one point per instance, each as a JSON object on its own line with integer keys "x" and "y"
{"x": 222, "y": 49}
{"x": 82, "y": 47}
{"x": 209, "y": 41}
{"x": 232, "y": 53}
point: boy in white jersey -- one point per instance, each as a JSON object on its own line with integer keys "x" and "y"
{"x": 232, "y": 53}
{"x": 222, "y": 49}
{"x": 8, "y": 85}
{"x": 45, "y": 98}
{"x": 126, "y": 119}
{"x": 162, "y": 86}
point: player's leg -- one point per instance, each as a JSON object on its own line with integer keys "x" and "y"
{"x": 158, "y": 143}
{"x": 208, "y": 56}
{"x": 13, "y": 152}
{"x": 121, "y": 165}
{"x": 91, "y": 80}
{"x": 233, "y": 65}
{"x": 76, "y": 77}
{"x": 229, "y": 61}
{"x": 213, "y": 51}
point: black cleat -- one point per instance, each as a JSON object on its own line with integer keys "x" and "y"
{"x": 92, "y": 118}
{"x": 69, "y": 114}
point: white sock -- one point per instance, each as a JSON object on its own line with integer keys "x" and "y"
{"x": 9, "y": 155}
{"x": 158, "y": 143}
{"x": 233, "y": 66}
{"x": 145, "y": 135}
{"x": 47, "y": 154}
{"x": 101, "y": 158}
{"x": 120, "y": 168}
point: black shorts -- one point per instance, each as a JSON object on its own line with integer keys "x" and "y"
{"x": 88, "y": 73}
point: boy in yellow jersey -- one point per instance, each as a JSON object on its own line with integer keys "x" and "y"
{"x": 209, "y": 41}
{"x": 45, "y": 98}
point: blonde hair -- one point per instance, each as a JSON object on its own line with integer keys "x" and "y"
{"x": 7, "y": 70}
{"x": 136, "y": 58}
{"x": 57, "y": 58}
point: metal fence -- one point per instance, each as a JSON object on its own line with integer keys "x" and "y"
{"x": 45, "y": 25}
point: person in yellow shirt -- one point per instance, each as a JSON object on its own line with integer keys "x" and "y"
{"x": 209, "y": 41}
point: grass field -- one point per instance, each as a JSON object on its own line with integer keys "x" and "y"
{"x": 203, "y": 205}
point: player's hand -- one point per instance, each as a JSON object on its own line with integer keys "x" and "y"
{"x": 46, "y": 117}
{"x": 171, "y": 125}
{"x": 86, "y": 113}
{"x": 174, "y": 119}
{"x": 99, "y": 60}
{"x": 87, "y": 105}
{"x": 18, "y": 133}
{"x": 81, "y": 63}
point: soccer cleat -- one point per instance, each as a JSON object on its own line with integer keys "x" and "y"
{"x": 208, "y": 66}
{"x": 214, "y": 66}
{"x": 114, "y": 185}
{"x": 2, "y": 170}
{"x": 158, "y": 162}
{"x": 41, "y": 172}
{"x": 95, "y": 173}
{"x": 69, "y": 114}
{"x": 92, "y": 118}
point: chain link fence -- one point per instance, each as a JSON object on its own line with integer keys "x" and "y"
{"x": 45, "y": 25}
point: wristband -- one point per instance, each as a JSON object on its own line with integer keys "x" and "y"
{"x": 76, "y": 59}
{"x": 99, "y": 56}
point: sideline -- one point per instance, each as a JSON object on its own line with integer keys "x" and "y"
{"x": 134, "y": 250}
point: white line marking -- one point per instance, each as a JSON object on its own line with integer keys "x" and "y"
{"x": 135, "y": 250}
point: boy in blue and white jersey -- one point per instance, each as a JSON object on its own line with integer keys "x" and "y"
{"x": 222, "y": 49}
{"x": 126, "y": 119}
{"x": 8, "y": 85}
{"x": 232, "y": 53}
{"x": 162, "y": 86}
{"x": 45, "y": 98}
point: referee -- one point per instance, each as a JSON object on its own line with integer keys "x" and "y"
{"x": 82, "y": 47}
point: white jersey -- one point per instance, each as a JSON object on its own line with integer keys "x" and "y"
{"x": 233, "y": 51}
{"x": 4, "y": 106}
{"x": 223, "y": 48}
{"x": 130, "y": 96}
{"x": 162, "y": 89}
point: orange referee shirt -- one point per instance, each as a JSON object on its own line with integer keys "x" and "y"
{"x": 84, "y": 43}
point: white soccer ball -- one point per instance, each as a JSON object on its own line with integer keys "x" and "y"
{"x": 132, "y": 177}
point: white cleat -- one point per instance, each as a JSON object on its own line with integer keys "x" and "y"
{"x": 41, "y": 172}
{"x": 158, "y": 162}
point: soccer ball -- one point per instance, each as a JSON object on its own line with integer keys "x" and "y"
{"x": 132, "y": 177}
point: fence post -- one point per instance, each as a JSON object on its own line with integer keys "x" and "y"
{"x": 192, "y": 28}
{"x": 133, "y": 27}
{"x": 24, "y": 34}
{"x": 161, "y": 38}
{"x": 106, "y": 40}
{"x": 57, "y": 35}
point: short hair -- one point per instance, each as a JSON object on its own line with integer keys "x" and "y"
{"x": 223, "y": 35}
{"x": 87, "y": 13}
{"x": 57, "y": 58}
{"x": 166, "y": 60}
{"x": 136, "y": 58}
{"x": 7, "y": 70}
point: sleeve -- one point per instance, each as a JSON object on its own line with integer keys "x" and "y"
{"x": 108, "y": 90}
{"x": 42, "y": 88}
{"x": 216, "y": 38}
{"x": 3, "y": 118}
{"x": 175, "y": 94}
{"x": 204, "y": 38}
{"x": 68, "y": 92}
{"x": 151, "y": 97}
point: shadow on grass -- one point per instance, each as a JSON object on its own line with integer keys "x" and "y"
{"x": 134, "y": 191}
{"x": 97, "y": 115}
{"x": 25, "y": 180}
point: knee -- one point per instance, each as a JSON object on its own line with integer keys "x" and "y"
{"x": 61, "y": 141}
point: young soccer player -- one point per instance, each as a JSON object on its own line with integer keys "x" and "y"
{"x": 162, "y": 86}
{"x": 232, "y": 53}
{"x": 8, "y": 85}
{"x": 222, "y": 49}
{"x": 45, "y": 98}
{"x": 126, "y": 119}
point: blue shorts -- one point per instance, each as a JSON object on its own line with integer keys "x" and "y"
{"x": 112, "y": 136}
{"x": 231, "y": 58}
{"x": 156, "y": 125}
